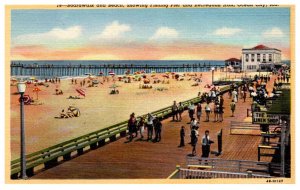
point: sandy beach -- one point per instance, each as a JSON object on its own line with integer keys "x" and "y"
{"x": 98, "y": 109}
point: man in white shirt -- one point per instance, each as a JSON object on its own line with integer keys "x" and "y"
{"x": 206, "y": 142}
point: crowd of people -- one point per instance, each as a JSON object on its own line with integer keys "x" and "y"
{"x": 152, "y": 124}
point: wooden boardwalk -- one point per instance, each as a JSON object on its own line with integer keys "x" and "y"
{"x": 141, "y": 159}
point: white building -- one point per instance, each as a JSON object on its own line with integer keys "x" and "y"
{"x": 260, "y": 58}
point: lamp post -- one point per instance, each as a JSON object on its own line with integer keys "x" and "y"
{"x": 212, "y": 75}
{"x": 21, "y": 89}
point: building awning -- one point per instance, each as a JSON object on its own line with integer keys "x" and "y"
{"x": 282, "y": 105}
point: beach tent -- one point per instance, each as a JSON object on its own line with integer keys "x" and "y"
{"x": 80, "y": 92}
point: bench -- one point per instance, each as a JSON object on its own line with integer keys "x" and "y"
{"x": 195, "y": 166}
{"x": 265, "y": 147}
{"x": 243, "y": 125}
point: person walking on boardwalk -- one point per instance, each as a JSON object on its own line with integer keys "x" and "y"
{"x": 175, "y": 111}
{"x": 157, "y": 127}
{"x": 199, "y": 111}
{"x": 194, "y": 138}
{"x": 182, "y": 135}
{"x": 140, "y": 127}
{"x": 235, "y": 95}
{"x": 180, "y": 110}
{"x": 191, "y": 110}
{"x": 232, "y": 107}
{"x": 206, "y": 142}
{"x": 131, "y": 125}
{"x": 150, "y": 126}
{"x": 207, "y": 111}
{"x": 216, "y": 111}
{"x": 194, "y": 124}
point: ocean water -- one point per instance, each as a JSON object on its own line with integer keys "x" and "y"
{"x": 119, "y": 62}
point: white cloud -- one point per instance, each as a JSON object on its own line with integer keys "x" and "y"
{"x": 54, "y": 34}
{"x": 113, "y": 31}
{"x": 225, "y": 31}
{"x": 273, "y": 33}
{"x": 165, "y": 33}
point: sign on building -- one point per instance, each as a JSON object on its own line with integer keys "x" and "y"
{"x": 265, "y": 118}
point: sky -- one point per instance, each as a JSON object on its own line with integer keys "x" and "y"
{"x": 146, "y": 34}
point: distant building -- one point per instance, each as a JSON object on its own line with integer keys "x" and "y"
{"x": 260, "y": 58}
{"x": 234, "y": 63}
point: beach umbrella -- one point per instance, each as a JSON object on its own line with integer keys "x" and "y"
{"x": 144, "y": 76}
{"x": 26, "y": 99}
{"x": 146, "y": 81}
{"x": 36, "y": 90}
{"x": 173, "y": 73}
{"x": 166, "y": 76}
{"x": 167, "y": 72}
{"x": 176, "y": 76}
{"x": 153, "y": 71}
{"x": 100, "y": 73}
{"x": 143, "y": 71}
{"x": 80, "y": 92}
{"x": 152, "y": 75}
{"x": 32, "y": 78}
{"x": 112, "y": 73}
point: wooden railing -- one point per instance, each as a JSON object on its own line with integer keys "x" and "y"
{"x": 202, "y": 174}
{"x": 239, "y": 166}
{"x": 49, "y": 156}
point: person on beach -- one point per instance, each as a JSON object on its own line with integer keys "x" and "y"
{"x": 63, "y": 114}
{"x": 182, "y": 135}
{"x": 194, "y": 140}
{"x": 191, "y": 110}
{"x": 150, "y": 126}
{"x": 75, "y": 111}
{"x": 140, "y": 127}
{"x": 207, "y": 111}
{"x": 232, "y": 107}
{"x": 131, "y": 125}
{"x": 175, "y": 111}
{"x": 72, "y": 80}
{"x": 180, "y": 110}
{"x": 206, "y": 142}
{"x": 199, "y": 111}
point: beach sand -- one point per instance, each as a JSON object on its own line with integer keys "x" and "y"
{"x": 98, "y": 110}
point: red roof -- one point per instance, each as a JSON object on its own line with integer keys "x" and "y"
{"x": 261, "y": 47}
{"x": 233, "y": 59}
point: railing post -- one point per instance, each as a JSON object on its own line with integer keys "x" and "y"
{"x": 249, "y": 174}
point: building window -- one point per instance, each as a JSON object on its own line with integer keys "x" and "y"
{"x": 270, "y": 57}
{"x": 247, "y": 57}
{"x": 252, "y": 57}
{"x": 251, "y": 67}
{"x": 258, "y": 57}
{"x": 264, "y": 58}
